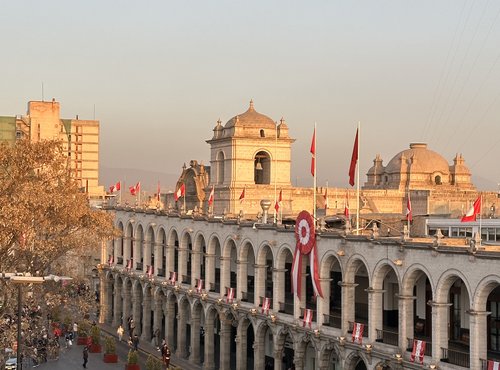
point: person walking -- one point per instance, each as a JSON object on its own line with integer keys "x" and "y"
{"x": 85, "y": 356}
{"x": 135, "y": 342}
{"x": 120, "y": 332}
{"x": 75, "y": 330}
{"x": 165, "y": 354}
{"x": 131, "y": 327}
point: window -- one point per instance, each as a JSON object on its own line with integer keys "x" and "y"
{"x": 437, "y": 180}
{"x": 262, "y": 134}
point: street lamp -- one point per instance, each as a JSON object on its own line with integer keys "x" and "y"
{"x": 20, "y": 280}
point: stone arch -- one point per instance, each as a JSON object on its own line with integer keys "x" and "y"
{"x": 446, "y": 280}
{"x": 246, "y": 271}
{"x": 138, "y": 247}
{"x": 162, "y": 251}
{"x": 283, "y": 277}
{"x": 381, "y": 270}
{"x": 262, "y": 167}
{"x": 220, "y": 160}
{"x": 229, "y": 266}
{"x": 354, "y": 358}
{"x": 353, "y": 265}
{"x": 483, "y": 290}
{"x": 185, "y": 253}
{"x": 149, "y": 248}
{"x": 331, "y": 274}
{"x": 411, "y": 275}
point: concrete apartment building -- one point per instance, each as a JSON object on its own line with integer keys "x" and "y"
{"x": 177, "y": 268}
{"x": 80, "y": 137}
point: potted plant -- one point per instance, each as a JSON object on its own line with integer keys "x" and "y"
{"x": 110, "y": 355}
{"x": 83, "y": 333}
{"x": 153, "y": 363}
{"x": 95, "y": 334}
{"x": 132, "y": 360}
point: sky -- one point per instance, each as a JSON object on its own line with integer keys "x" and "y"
{"x": 159, "y": 74}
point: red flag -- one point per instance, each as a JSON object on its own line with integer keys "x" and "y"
{"x": 266, "y": 305}
{"x": 230, "y": 295}
{"x": 158, "y": 192}
{"x": 134, "y": 190}
{"x": 357, "y": 333}
{"x": 418, "y": 351}
{"x": 409, "y": 214}
{"x": 308, "y": 316}
{"x": 278, "y": 201}
{"x": 493, "y": 365}
{"x": 313, "y": 153}
{"x": 473, "y": 211}
{"x": 115, "y": 187}
{"x": 354, "y": 160}
{"x": 242, "y": 196}
{"x": 180, "y": 192}
{"x": 346, "y": 207}
{"x": 211, "y": 197}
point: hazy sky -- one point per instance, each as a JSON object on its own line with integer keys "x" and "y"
{"x": 161, "y": 73}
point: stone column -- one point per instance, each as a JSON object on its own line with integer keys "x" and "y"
{"x": 146, "y": 319}
{"x": 157, "y": 317}
{"x": 375, "y": 315}
{"x": 209, "y": 270}
{"x": 241, "y": 278}
{"x": 127, "y": 304}
{"x": 182, "y": 262}
{"x": 298, "y": 356}
{"x": 209, "y": 363}
{"x": 225, "y": 344}
{"x": 126, "y": 249}
{"x": 278, "y": 357}
{"x": 195, "y": 267}
{"x": 241, "y": 349}
{"x": 439, "y": 328}
{"x": 278, "y": 288}
{"x": 195, "y": 337}
{"x": 260, "y": 282}
{"x": 323, "y": 305}
{"x": 170, "y": 317}
{"x": 258, "y": 354}
{"x": 348, "y": 290}
{"x": 170, "y": 260}
{"x": 158, "y": 257}
{"x": 109, "y": 297}
{"x": 225, "y": 274}
{"x": 118, "y": 306}
{"x": 405, "y": 320}
{"x": 181, "y": 333}
{"x": 136, "y": 311}
{"x": 478, "y": 337}
{"x": 147, "y": 254}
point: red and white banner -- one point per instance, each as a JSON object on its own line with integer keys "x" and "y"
{"x": 115, "y": 187}
{"x": 346, "y": 206}
{"x": 409, "y": 214}
{"x": 158, "y": 192}
{"x": 278, "y": 201}
{"x": 129, "y": 264}
{"x": 306, "y": 245}
{"x": 473, "y": 211}
{"x": 199, "y": 286}
{"x": 308, "y": 317}
{"x": 111, "y": 260}
{"x": 266, "y": 305}
{"x": 230, "y": 295}
{"x": 313, "y": 153}
{"x": 242, "y": 195}
{"x": 354, "y": 161}
{"x": 135, "y": 190}
{"x": 357, "y": 333}
{"x": 173, "y": 278}
{"x": 493, "y": 365}
{"x": 180, "y": 192}
{"x": 211, "y": 197}
{"x": 418, "y": 351}
{"x": 150, "y": 271}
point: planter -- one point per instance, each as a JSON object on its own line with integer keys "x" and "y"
{"x": 82, "y": 341}
{"x": 95, "y": 348}
{"x": 110, "y": 358}
{"x": 132, "y": 367}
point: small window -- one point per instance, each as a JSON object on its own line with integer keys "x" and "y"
{"x": 262, "y": 134}
{"x": 437, "y": 180}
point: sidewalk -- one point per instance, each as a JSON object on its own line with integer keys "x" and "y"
{"x": 147, "y": 348}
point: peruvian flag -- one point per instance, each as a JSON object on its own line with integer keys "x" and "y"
{"x": 199, "y": 285}
{"x": 357, "y": 333}
{"x": 354, "y": 160}
{"x": 308, "y": 316}
{"x": 149, "y": 271}
{"x": 266, "y": 305}
{"x": 110, "y": 260}
{"x": 313, "y": 153}
{"x": 473, "y": 211}
{"x": 326, "y": 198}
{"x": 115, "y": 187}
{"x": 278, "y": 201}
{"x": 180, "y": 192}
{"x": 242, "y": 195}
{"x": 418, "y": 351}
{"x": 173, "y": 278}
{"x": 409, "y": 214}
{"x": 211, "y": 197}
{"x": 230, "y": 295}
{"x": 134, "y": 190}
{"x": 346, "y": 206}
{"x": 493, "y": 365}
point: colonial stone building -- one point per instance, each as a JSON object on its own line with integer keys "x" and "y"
{"x": 178, "y": 268}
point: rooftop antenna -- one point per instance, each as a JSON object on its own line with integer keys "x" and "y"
{"x": 42, "y": 93}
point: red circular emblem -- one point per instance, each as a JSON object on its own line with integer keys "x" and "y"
{"x": 305, "y": 232}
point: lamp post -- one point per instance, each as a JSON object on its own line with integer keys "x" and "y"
{"x": 20, "y": 280}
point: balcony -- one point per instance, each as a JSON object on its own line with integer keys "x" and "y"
{"x": 390, "y": 337}
{"x": 119, "y": 260}
{"x": 286, "y": 307}
{"x": 365, "y": 328}
{"x": 186, "y": 279}
{"x": 247, "y": 297}
{"x": 138, "y": 266}
{"x": 161, "y": 273}
{"x": 456, "y": 357}
{"x": 428, "y": 345}
{"x": 334, "y": 320}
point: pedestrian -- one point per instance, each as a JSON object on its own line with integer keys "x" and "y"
{"x": 132, "y": 327}
{"x": 156, "y": 337}
{"x": 85, "y": 356}
{"x": 120, "y": 331}
{"x": 75, "y": 330}
{"x": 135, "y": 342}
{"x": 165, "y": 352}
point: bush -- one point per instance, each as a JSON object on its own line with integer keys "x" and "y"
{"x": 132, "y": 357}
{"x": 83, "y": 329}
{"x": 109, "y": 345}
{"x": 153, "y": 363}
{"x": 95, "y": 333}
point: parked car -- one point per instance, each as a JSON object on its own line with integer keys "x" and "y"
{"x": 11, "y": 364}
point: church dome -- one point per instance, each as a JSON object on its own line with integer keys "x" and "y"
{"x": 422, "y": 161}
{"x": 251, "y": 119}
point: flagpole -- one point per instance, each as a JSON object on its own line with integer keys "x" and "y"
{"x": 409, "y": 200}
{"x": 275, "y": 169}
{"x": 357, "y": 182}
{"x": 480, "y": 216}
{"x": 315, "y": 156}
